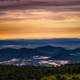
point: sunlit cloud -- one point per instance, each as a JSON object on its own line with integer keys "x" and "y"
{"x": 39, "y": 14}
{"x": 40, "y": 21}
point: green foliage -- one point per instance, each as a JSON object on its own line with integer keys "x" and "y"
{"x": 68, "y": 72}
{"x": 49, "y": 78}
{"x": 62, "y": 77}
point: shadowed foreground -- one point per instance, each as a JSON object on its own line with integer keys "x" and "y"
{"x": 67, "y": 72}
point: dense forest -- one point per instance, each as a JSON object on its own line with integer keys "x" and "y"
{"x": 67, "y": 72}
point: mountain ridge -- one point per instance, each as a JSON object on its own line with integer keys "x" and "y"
{"x": 53, "y": 52}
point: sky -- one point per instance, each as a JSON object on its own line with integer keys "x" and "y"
{"x": 30, "y": 19}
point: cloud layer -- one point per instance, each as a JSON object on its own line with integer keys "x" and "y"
{"x": 40, "y": 19}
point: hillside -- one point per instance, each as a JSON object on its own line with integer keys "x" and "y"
{"x": 68, "y": 72}
{"x": 45, "y": 55}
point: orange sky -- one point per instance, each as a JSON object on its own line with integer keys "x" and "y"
{"x": 29, "y": 24}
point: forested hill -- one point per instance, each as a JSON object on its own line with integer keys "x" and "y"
{"x": 67, "y": 72}
{"x": 56, "y": 53}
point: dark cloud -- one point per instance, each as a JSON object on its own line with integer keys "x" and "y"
{"x": 2, "y": 13}
{"x": 43, "y": 4}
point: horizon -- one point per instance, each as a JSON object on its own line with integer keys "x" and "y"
{"x": 41, "y": 39}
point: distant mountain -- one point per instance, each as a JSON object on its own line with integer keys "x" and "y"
{"x": 55, "y": 53}
{"x": 22, "y": 43}
{"x": 40, "y": 51}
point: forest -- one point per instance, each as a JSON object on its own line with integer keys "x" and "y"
{"x": 67, "y": 72}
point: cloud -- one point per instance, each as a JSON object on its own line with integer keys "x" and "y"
{"x": 42, "y": 4}
{"x": 41, "y": 18}
{"x": 37, "y": 14}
